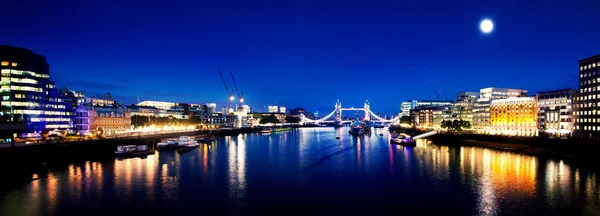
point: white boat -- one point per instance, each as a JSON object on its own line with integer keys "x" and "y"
{"x": 187, "y": 141}
{"x": 170, "y": 144}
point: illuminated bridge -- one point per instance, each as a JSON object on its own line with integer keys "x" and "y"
{"x": 336, "y": 115}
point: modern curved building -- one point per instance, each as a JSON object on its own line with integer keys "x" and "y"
{"x": 28, "y": 94}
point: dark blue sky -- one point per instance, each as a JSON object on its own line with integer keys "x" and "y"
{"x": 305, "y": 53}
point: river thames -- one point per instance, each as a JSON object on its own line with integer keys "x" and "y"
{"x": 307, "y": 170}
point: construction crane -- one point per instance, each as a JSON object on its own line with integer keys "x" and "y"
{"x": 240, "y": 96}
{"x": 231, "y": 97}
{"x": 437, "y": 94}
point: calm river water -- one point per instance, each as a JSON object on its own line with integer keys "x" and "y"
{"x": 308, "y": 171}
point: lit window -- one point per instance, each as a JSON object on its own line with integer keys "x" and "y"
{"x": 14, "y": 64}
{"x": 4, "y": 63}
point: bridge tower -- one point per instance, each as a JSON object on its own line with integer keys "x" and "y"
{"x": 367, "y": 111}
{"x": 337, "y": 119}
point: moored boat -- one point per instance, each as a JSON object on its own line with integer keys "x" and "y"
{"x": 267, "y": 130}
{"x": 133, "y": 151}
{"x": 357, "y": 128}
{"x": 170, "y": 144}
{"x": 187, "y": 143}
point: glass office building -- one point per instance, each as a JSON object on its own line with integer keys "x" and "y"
{"x": 29, "y": 96}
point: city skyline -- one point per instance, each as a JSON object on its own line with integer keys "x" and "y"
{"x": 171, "y": 53}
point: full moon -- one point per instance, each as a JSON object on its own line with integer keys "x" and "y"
{"x": 486, "y": 26}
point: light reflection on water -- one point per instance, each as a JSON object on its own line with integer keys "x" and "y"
{"x": 308, "y": 167}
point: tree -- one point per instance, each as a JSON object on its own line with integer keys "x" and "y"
{"x": 404, "y": 120}
{"x": 292, "y": 119}
{"x": 269, "y": 119}
{"x": 456, "y": 125}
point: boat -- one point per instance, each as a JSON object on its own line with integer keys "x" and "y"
{"x": 206, "y": 139}
{"x": 357, "y": 128}
{"x": 170, "y": 144}
{"x": 402, "y": 139}
{"x": 267, "y": 130}
{"x": 126, "y": 151}
{"x": 187, "y": 143}
{"x": 282, "y": 129}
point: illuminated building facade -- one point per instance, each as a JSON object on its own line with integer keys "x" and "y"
{"x": 481, "y": 108}
{"x": 273, "y": 109}
{"x": 555, "y": 115}
{"x": 405, "y": 108}
{"x": 515, "y": 116}
{"x": 442, "y": 113}
{"x": 212, "y": 107}
{"x": 587, "y": 103}
{"x": 282, "y": 109}
{"x": 100, "y": 100}
{"x": 73, "y": 97}
{"x": 422, "y": 117}
{"x": 28, "y": 95}
{"x": 101, "y": 120}
{"x": 157, "y": 104}
{"x": 463, "y": 106}
{"x": 135, "y": 110}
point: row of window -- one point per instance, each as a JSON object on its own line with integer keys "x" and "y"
{"x": 591, "y": 128}
{"x": 14, "y": 64}
{"x": 5, "y": 88}
{"x": 592, "y": 65}
{"x": 587, "y": 74}
{"x": 545, "y": 102}
{"x": 590, "y": 81}
{"x": 39, "y": 112}
{"x": 555, "y": 120}
{"x": 50, "y": 119}
{"x": 8, "y": 80}
{"x": 587, "y": 97}
{"x": 588, "y": 120}
{"x": 58, "y": 126}
{"x": 587, "y": 112}
{"x": 23, "y": 72}
{"x": 589, "y": 89}
{"x": 587, "y": 105}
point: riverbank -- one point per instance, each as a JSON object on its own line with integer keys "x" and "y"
{"x": 573, "y": 150}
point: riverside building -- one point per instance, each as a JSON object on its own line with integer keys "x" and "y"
{"x": 515, "y": 116}
{"x": 555, "y": 115}
{"x": 28, "y": 94}
{"x": 587, "y": 103}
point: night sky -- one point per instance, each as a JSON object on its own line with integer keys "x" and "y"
{"x": 304, "y": 53}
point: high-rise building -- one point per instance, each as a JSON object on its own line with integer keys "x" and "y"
{"x": 587, "y": 103}
{"x": 481, "y": 108}
{"x": 555, "y": 116}
{"x": 516, "y": 116}
{"x": 28, "y": 94}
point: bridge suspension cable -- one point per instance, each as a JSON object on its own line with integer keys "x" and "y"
{"x": 304, "y": 119}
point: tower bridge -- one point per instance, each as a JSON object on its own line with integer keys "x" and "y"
{"x": 336, "y": 115}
